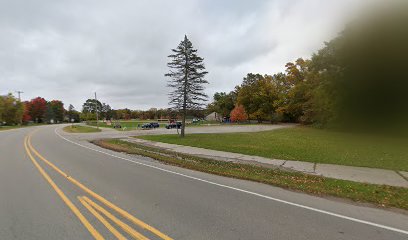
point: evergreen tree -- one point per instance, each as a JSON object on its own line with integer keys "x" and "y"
{"x": 186, "y": 75}
{"x": 73, "y": 114}
{"x": 91, "y": 106}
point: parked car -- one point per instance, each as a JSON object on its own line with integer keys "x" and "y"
{"x": 150, "y": 125}
{"x": 174, "y": 125}
{"x": 147, "y": 126}
{"x": 117, "y": 125}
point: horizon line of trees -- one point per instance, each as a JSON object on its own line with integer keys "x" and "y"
{"x": 37, "y": 110}
{"x": 105, "y": 112}
{"x": 356, "y": 81}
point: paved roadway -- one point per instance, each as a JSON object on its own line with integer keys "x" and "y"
{"x": 124, "y": 196}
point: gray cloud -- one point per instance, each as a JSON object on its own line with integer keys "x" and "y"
{"x": 69, "y": 49}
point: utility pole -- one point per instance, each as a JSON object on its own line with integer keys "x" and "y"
{"x": 19, "y": 97}
{"x": 96, "y": 110}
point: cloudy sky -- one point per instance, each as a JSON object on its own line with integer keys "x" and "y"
{"x": 67, "y": 50}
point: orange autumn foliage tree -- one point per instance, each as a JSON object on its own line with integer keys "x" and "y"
{"x": 238, "y": 114}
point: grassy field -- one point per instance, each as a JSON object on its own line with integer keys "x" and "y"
{"x": 132, "y": 124}
{"x": 304, "y": 144}
{"x": 80, "y": 129}
{"x": 383, "y": 196}
{"x": 126, "y": 125}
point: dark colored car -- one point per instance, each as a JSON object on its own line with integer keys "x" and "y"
{"x": 150, "y": 125}
{"x": 174, "y": 125}
{"x": 147, "y": 126}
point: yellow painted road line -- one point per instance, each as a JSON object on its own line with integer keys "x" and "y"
{"x": 64, "y": 198}
{"x": 100, "y": 198}
{"x": 113, "y": 230}
{"x": 114, "y": 219}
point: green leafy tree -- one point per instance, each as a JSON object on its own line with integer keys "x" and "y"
{"x": 49, "y": 113}
{"x": 57, "y": 109}
{"x": 106, "y": 111}
{"x": 37, "y": 107}
{"x": 223, "y": 103}
{"x": 268, "y": 97}
{"x": 259, "y": 94}
{"x": 298, "y": 88}
{"x": 248, "y": 95}
{"x": 91, "y": 105}
{"x": 73, "y": 114}
{"x": 187, "y": 79}
{"x": 11, "y": 110}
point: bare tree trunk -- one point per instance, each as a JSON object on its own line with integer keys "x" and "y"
{"x": 183, "y": 123}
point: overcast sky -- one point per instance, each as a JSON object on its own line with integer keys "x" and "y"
{"x": 67, "y": 50}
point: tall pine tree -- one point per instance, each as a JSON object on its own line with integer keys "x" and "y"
{"x": 186, "y": 75}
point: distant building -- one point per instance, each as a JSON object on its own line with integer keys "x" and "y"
{"x": 213, "y": 117}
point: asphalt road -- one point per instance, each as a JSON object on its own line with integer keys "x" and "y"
{"x": 128, "y": 196}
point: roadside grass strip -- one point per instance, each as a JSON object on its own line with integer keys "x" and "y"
{"x": 80, "y": 129}
{"x": 379, "y": 195}
{"x": 304, "y": 144}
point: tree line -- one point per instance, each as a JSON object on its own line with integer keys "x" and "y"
{"x": 37, "y": 110}
{"x": 357, "y": 80}
{"x": 105, "y": 112}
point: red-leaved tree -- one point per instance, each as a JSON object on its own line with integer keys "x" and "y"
{"x": 26, "y": 115}
{"x": 238, "y": 114}
{"x": 37, "y": 107}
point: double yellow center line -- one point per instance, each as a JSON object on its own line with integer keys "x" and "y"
{"x": 92, "y": 207}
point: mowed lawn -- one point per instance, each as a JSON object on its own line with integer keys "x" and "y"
{"x": 80, "y": 129}
{"x": 304, "y": 144}
{"x": 126, "y": 125}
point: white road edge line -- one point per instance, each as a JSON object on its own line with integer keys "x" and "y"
{"x": 242, "y": 190}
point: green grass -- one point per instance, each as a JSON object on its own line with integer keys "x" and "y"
{"x": 10, "y": 127}
{"x": 19, "y": 126}
{"x": 132, "y": 124}
{"x": 126, "y": 125}
{"x": 380, "y": 195}
{"x": 80, "y": 129}
{"x": 304, "y": 144}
